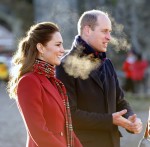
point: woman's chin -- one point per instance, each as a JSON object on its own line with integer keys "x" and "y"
{"x": 58, "y": 63}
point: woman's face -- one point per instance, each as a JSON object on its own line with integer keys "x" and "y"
{"x": 53, "y": 50}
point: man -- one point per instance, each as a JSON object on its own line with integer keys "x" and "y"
{"x": 97, "y": 102}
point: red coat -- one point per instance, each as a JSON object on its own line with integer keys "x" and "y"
{"x": 128, "y": 69}
{"x": 136, "y": 70}
{"x": 139, "y": 69}
{"x": 43, "y": 112}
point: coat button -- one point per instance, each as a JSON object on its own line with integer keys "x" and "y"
{"x": 61, "y": 134}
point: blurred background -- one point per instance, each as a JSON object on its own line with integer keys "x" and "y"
{"x": 130, "y": 20}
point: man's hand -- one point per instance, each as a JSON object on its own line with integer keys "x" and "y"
{"x": 136, "y": 126}
{"x": 132, "y": 124}
{"x": 119, "y": 120}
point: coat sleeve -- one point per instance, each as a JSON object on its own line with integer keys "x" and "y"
{"x": 30, "y": 105}
{"x": 121, "y": 102}
{"x": 82, "y": 119}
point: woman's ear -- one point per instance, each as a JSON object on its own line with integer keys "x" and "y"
{"x": 40, "y": 48}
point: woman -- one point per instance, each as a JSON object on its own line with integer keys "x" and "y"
{"x": 41, "y": 98}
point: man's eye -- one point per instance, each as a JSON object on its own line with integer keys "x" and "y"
{"x": 104, "y": 31}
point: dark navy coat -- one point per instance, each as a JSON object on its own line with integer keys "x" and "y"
{"x": 92, "y": 102}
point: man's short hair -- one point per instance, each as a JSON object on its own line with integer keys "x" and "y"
{"x": 89, "y": 18}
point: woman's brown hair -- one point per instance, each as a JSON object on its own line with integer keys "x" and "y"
{"x": 27, "y": 52}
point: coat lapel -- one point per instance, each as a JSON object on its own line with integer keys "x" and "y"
{"x": 106, "y": 89}
{"x": 52, "y": 90}
{"x": 95, "y": 77}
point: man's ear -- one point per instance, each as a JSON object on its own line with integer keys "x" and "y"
{"x": 87, "y": 30}
{"x": 39, "y": 47}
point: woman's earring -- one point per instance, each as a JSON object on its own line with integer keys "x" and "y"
{"x": 42, "y": 55}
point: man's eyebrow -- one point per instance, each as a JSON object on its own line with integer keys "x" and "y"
{"x": 107, "y": 30}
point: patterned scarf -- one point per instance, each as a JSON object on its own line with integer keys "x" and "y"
{"x": 44, "y": 68}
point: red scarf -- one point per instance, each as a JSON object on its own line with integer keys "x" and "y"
{"x": 44, "y": 68}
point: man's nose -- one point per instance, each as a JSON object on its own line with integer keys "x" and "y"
{"x": 108, "y": 36}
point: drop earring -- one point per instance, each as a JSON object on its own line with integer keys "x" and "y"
{"x": 42, "y": 55}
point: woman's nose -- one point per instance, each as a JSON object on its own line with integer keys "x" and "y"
{"x": 62, "y": 49}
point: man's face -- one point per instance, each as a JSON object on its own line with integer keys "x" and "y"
{"x": 100, "y": 36}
